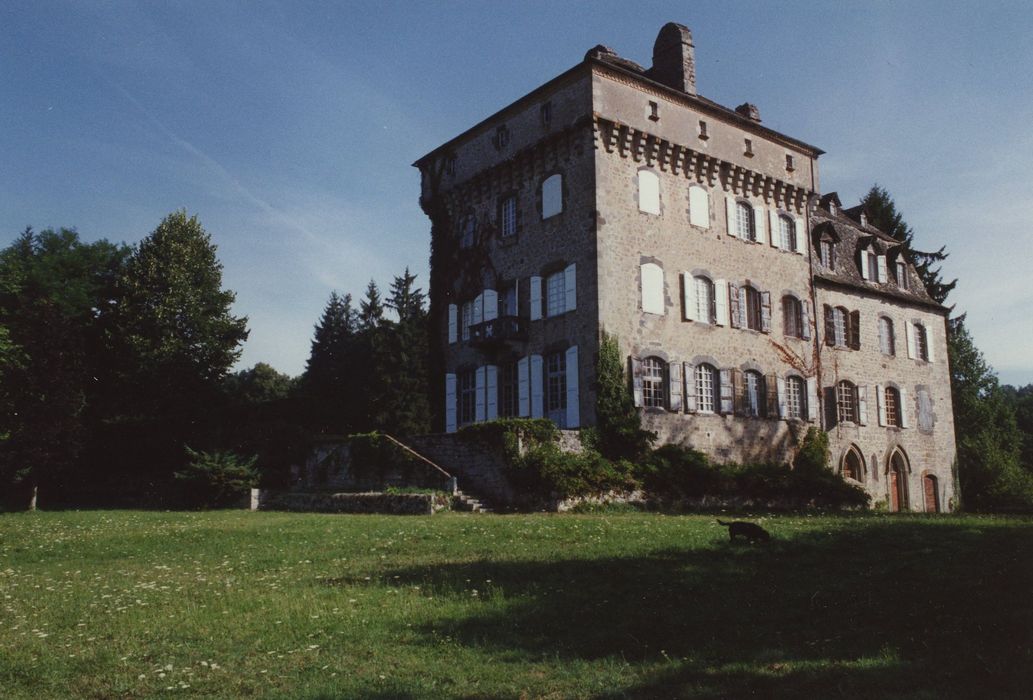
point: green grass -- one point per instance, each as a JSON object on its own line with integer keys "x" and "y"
{"x": 230, "y": 604}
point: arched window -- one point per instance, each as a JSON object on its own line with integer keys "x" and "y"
{"x": 786, "y": 233}
{"x": 754, "y": 314}
{"x": 552, "y": 196}
{"x": 744, "y": 222}
{"x": 706, "y": 309}
{"x": 892, "y": 403}
{"x": 796, "y": 398}
{"x": 652, "y": 288}
{"x": 468, "y": 231}
{"x": 653, "y": 383}
{"x": 887, "y": 337}
{"x": 648, "y": 192}
{"x": 754, "y": 393}
{"x": 706, "y": 388}
{"x": 846, "y": 402}
{"x": 921, "y": 342}
{"x": 853, "y": 465}
{"x": 699, "y": 207}
{"x": 792, "y": 316}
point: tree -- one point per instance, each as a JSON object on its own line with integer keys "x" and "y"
{"x": 402, "y": 368}
{"x": 989, "y": 442}
{"x": 329, "y": 379}
{"x": 619, "y": 424}
{"x": 1021, "y": 402}
{"x": 56, "y": 294}
{"x": 882, "y": 213}
{"x": 371, "y": 309}
{"x": 260, "y": 384}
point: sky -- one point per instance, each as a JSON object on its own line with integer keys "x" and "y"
{"x": 289, "y": 128}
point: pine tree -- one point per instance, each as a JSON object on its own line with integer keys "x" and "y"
{"x": 882, "y": 213}
{"x": 404, "y": 366}
{"x": 371, "y": 308}
{"x": 331, "y": 372}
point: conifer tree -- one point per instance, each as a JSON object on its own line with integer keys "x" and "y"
{"x": 371, "y": 308}
{"x": 404, "y": 366}
{"x": 331, "y": 373}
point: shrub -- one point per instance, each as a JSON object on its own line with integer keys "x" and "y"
{"x": 674, "y": 471}
{"x": 216, "y": 479}
{"x": 620, "y": 433}
{"x": 546, "y": 471}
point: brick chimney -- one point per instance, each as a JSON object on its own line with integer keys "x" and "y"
{"x": 674, "y": 58}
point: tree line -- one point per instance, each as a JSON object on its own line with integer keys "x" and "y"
{"x": 115, "y": 374}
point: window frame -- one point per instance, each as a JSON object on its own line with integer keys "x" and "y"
{"x": 792, "y": 317}
{"x": 555, "y": 371}
{"x": 755, "y": 393}
{"x": 921, "y": 341}
{"x": 754, "y": 312}
{"x": 891, "y": 405}
{"x": 827, "y": 254}
{"x": 556, "y": 291}
{"x": 509, "y": 390}
{"x": 847, "y": 405}
{"x": 786, "y": 233}
{"x": 887, "y": 337}
{"x": 708, "y": 388}
{"x": 796, "y": 397}
{"x": 508, "y": 216}
{"x": 654, "y": 382}
{"x": 558, "y": 179}
{"x": 466, "y": 396}
{"x": 744, "y": 224}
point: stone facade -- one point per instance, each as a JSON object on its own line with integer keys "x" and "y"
{"x": 691, "y": 233}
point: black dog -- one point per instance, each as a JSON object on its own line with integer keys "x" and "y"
{"x": 751, "y": 531}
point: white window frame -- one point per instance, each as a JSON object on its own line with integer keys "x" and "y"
{"x": 555, "y": 294}
{"x": 707, "y": 388}
{"x": 653, "y": 382}
{"x": 508, "y": 216}
{"x": 744, "y": 228}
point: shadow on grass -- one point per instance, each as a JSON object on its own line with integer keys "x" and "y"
{"x": 911, "y": 607}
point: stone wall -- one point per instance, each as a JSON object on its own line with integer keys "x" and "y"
{"x": 330, "y": 467}
{"x": 393, "y": 504}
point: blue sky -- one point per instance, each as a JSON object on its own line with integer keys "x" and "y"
{"x": 289, "y": 128}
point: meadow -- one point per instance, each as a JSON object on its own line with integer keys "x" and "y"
{"x": 135, "y": 604}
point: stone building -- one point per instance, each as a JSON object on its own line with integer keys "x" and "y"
{"x": 614, "y": 198}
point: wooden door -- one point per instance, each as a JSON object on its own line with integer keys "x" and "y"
{"x": 894, "y": 489}
{"x": 932, "y": 503}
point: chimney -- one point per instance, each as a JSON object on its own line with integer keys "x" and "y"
{"x": 674, "y": 58}
{"x": 749, "y": 111}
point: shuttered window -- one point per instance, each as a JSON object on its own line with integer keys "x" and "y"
{"x": 556, "y": 387}
{"x": 699, "y": 207}
{"x": 887, "y": 338}
{"x": 786, "y": 234}
{"x": 792, "y": 316}
{"x": 754, "y": 316}
{"x": 705, "y": 307}
{"x": 509, "y": 396}
{"x": 653, "y": 382}
{"x": 846, "y": 402}
{"x": 921, "y": 342}
{"x": 796, "y": 398}
{"x": 755, "y": 398}
{"x": 552, "y": 196}
{"x": 648, "y": 192}
{"x": 892, "y": 403}
{"x": 652, "y": 288}
{"x": 508, "y": 215}
{"x": 467, "y": 397}
{"x": 706, "y": 388}
{"x": 744, "y": 222}
{"x": 555, "y": 294}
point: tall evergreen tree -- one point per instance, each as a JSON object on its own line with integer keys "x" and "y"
{"x": 371, "y": 308}
{"x": 882, "y": 212}
{"x": 404, "y": 369}
{"x": 332, "y": 373}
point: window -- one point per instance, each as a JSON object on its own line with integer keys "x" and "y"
{"x": 706, "y": 309}
{"x": 796, "y": 398}
{"x": 546, "y": 113}
{"x": 744, "y": 222}
{"x": 450, "y": 165}
{"x": 842, "y": 328}
{"x": 467, "y": 231}
{"x": 652, "y": 289}
{"x": 556, "y": 387}
{"x": 839, "y": 317}
{"x": 892, "y": 402}
{"x": 508, "y": 215}
{"x": 509, "y": 392}
{"x": 703, "y": 130}
{"x": 749, "y": 148}
{"x": 754, "y": 394}
{"x": 872, "y": 266}
{"x": 792, "y": 316}
{"x": 786, "y": 233}
{"x": 887, "y": 339}
{"x": 467, "y": 319}
{"x": 555, "y": 294}
{"x": 467, "y": 397}
{"x": 699, "y": 207}
{"x": 789, "y": 163}
{"x": 921, "y": 342}
{"x": 654, "y": 111}
{"x": 653, "y": 382}
{"x": 825, "y": 253}
{"x": 902, "y": 281}
{"x": 648, "y": 192}
{"x": 853, "y": 465}
{"x": 706, "y": 388}
{"x": 846, "y": 402}
{"x": 754, "y": 313}
{"x": 508, "y": 301}
{"x": 552, "y": 196}
{"x": 502, "y": 137}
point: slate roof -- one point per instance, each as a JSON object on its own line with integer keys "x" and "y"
{"x": 849, "y": 237}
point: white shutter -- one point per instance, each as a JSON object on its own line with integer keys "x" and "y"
{"x": 453, "y": 323}
{"x": 450, "y": 403}
{"x": 689, "y": 376}
{"x": 862, "y": 405}
{"x": 674, "y": 386}
{"x": 636, "y": 381}
{"x": 742, "y": 306}
{"x": 524, "y": 386}
{"x": 648, "y": 192}
{"x": 699, "y": 207}
{"x": 492, "y": 391}
{"x": 491, "y": 304}
{"x": 688, "y": 297}
{"x": 905, "y": 421}
{"x": 880, "y": 401}
{"x": 812, "y": 399}
{"x": 774, "y": 229}
{"x": 573, "y": 395}
{"x": 801, "y": 236}
{"x": 730, "y": 211}
{"x": 537, "y": 397}
{"x": 570, "y": 286}
{"x": 721, "y": 302}
{"x": 536, "y": 298}
{"x": 780, "y": 387}
{"x": 805, "y": 312}
{"x": 481, "y": 381}
{"x": 759, "y": 225}
{"x": 880, "y": 262}
{"x": 864, "y": 265}
{"x": 909, "y": 331}
{"x": 727, "y": 405}
{"x": 652, "y": 289}
{"x": 478, "y": 310}
{"x": 552, "y": 196}
{"x": 929, "y": 343}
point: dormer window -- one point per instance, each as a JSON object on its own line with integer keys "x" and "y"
{"x": 833, "y": 209}
{"x": 902, "y": 281}
{"x": 864, "y": 220}
{"x": 825, "y": 255}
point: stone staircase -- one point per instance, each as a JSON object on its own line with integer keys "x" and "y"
{"x": 464, "y": 502}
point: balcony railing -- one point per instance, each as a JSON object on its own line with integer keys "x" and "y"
{"x": 497, "y": 330}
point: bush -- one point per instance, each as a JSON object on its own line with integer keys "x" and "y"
{"x": 546, "y": 471}
{"x": 675, "y": 472}
{"x": 216, "y": 479}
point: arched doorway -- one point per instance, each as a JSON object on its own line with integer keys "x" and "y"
{"x": 930, "y": 485}
{"x": 896, "y": 482}
{"x": 853, "y": 465}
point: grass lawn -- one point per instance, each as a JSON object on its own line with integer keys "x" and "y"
{"x": 233, "y": 603}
